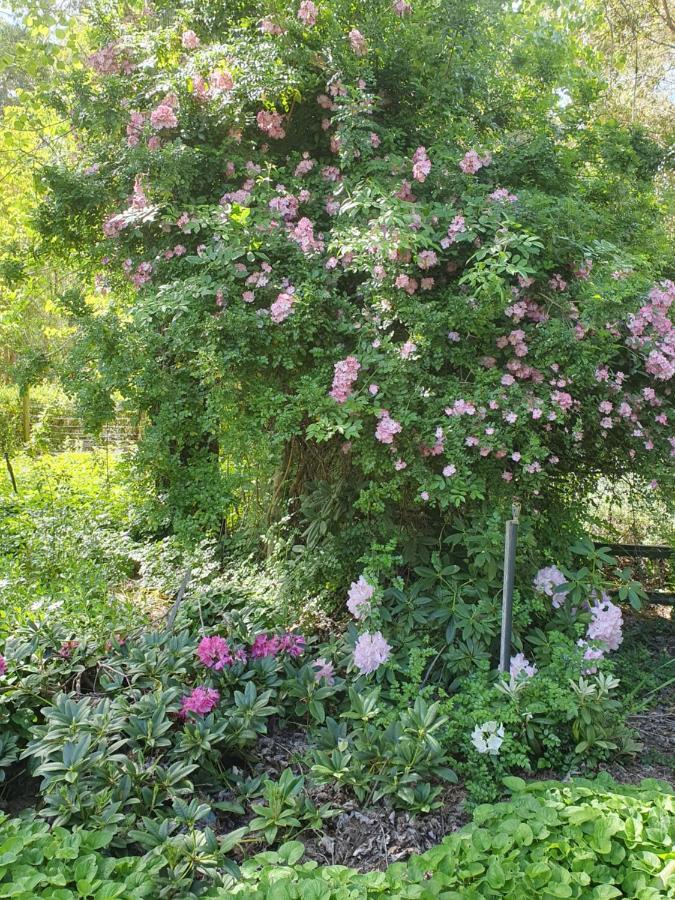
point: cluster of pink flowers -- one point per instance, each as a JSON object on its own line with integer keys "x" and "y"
{"x": 346, "y": 373}
{"x": 427, "y": 259}
{"x": 307, "y": 13}
{"x": 502, "y": 195}
{"x": 271, "y": 645}
{"x": 303, "y": 235}
{"x": 457, "y": 226}
{"x": 421, "y": 164}
{"x": 201, "y": 701}
{"x": 359, "y": 596}
{"x": 271, "y": 123}
{"x": 305, "y": 165}
{"x": 547, "y": 581}
{"x": 520, "y": 667}
{"x": 472, "y": 162}
{"x": 3, "y": 665}
{"x": 215, "y": 653}
{"x": 557, "y": 282}
{"x": 370, "y": 652}
{"x": 358, "y": 42}
{"x": 135, "y": 128}
{"x": 387, "y": 428}
{"x": 110, "y": 60}
{"x": 189, "y": 40}
{"x": 163, "y": 116}
{"x": 651, "y": 326}
{"x": 282, "y": 306}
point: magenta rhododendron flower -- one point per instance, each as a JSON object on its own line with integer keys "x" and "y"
{"x": 201, "y": 701}
{"x": 214, "y": 653}
{"x": 264, "y": 645}
{"x": 370, "y": 652}
{"x": 359, "y": 596}
{"x": 3, "y": 665}
{"x": 293, "y": 644}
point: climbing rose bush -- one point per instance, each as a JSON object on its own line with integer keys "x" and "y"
{"x": 292, "y": 231}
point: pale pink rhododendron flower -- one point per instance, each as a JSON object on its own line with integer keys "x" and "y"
{"x": 449, "y": 471}
{"x": 370, "y": 652}
{"x": 323, "y": 669}
{"x": 557, "y": 282}
{"x": 346, "y": 373}
{"x": 268, "y": 26}
{"x": 606, "y": 623}
{"x": 201, "y": 701}
{"x": 547, "y": 581}
{"x": 407, "y": 349}
{"x": 521, "y": 667}
{"x": 307, "y": 13}
{"x": 421, "y": 164}
{"x": 190, "y": 40}
{"x": 359, "y": 596}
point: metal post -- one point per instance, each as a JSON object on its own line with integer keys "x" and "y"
{"x": 507, "y": 590}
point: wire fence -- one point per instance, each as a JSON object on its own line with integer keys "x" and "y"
{"x": 59, "y": 431}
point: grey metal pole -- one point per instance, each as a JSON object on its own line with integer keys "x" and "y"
{"x": 507, "y": 590}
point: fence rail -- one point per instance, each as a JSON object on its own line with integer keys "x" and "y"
{"x": 67, "y": 432}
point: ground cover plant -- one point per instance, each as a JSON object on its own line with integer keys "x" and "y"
{"x": 369, "y": 280}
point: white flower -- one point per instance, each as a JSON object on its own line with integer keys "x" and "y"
{"x": 488, "y": 737}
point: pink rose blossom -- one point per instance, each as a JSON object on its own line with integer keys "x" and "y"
{"x": 387, "y": 428}
{"x": 346, "y": 373}
{"x": 358, "y": 42}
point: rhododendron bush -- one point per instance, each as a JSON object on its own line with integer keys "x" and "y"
{"x": 395, "y": 248}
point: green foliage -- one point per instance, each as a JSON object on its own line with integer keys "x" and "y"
{"x": 375, "y": 761}
{"x": 581, "y": 839}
